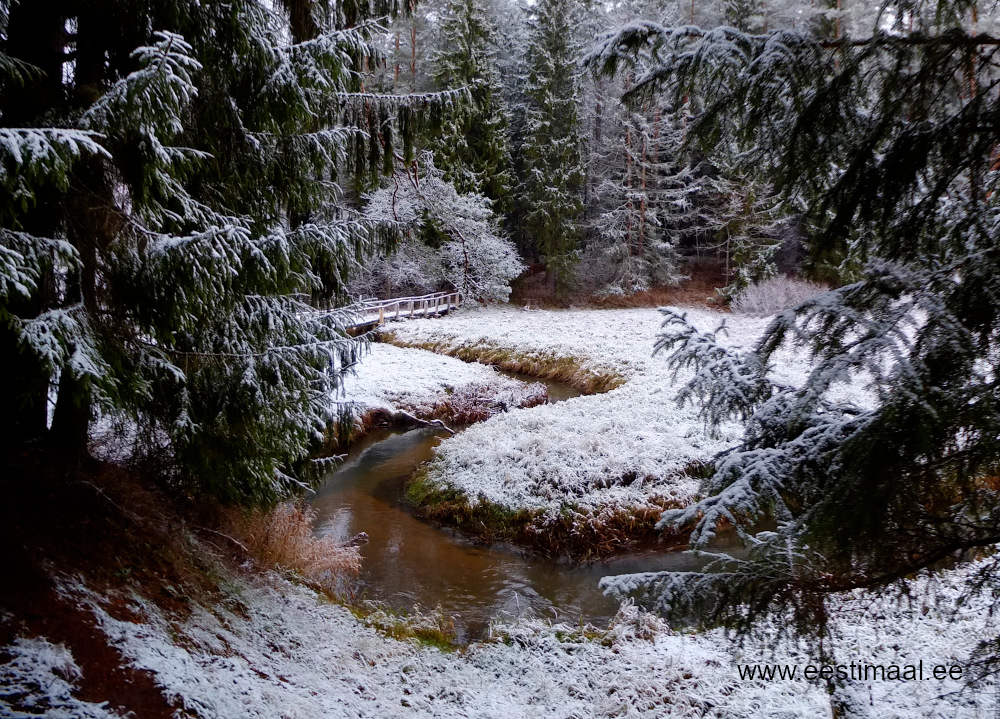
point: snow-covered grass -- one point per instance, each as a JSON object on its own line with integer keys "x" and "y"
{"x": 628, "y": 449}
{"x": 430, "y": 385}
{"x": 38, "y": 678}
{"x": 272, "y": 649}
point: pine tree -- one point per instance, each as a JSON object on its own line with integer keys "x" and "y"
{"x": 887, "y": 143}
{"x": 473, "y": 149}
{"x": 554, "y": 171}
{"x": 171, "y": 218}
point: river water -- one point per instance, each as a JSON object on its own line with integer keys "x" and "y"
{"x": 411, "y": 563}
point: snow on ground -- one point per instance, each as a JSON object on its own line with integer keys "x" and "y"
{"x": 272, "y": 649}
{"x": 395, "y": 378}
{"x": 37, "y": 679}
{"x": 624, "y": 448}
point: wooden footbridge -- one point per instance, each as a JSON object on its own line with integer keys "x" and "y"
{"x": 373, "y": 313}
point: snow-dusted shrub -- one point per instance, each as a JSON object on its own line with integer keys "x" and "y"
{"x": 409, "y": 271}
{"x": 773, "y": 295}
{"x": 458, "y": 243}
{"x": 283, "y": 538}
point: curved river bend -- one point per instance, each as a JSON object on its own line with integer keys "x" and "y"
{"x": 409, "y": 562}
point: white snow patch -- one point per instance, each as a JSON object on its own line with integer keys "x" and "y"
{"x": 37, "y": 679}
{"x": 288, "y": 654}
{"x": 396, "y": 378}
{"x": 623, "y": 448}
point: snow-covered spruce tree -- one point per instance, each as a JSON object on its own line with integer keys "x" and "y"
{"x": 455, "y": 243}
{"x": 891, "y": 138}
{"x": 552, "y": 191}
{"x": 170, "y": 216}
{"x": 472, "y": 149}
{"x": 638, "y": 200}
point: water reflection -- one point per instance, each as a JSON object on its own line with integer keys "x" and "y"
{"x": 408, "y": 562}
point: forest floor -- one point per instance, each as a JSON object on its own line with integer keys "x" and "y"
{"x": 119, "y": 600}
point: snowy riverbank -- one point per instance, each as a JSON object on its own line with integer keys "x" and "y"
{"x": 390, "y": 380}
{"x": 269, "y": 649}
{"x": 624, "y": 450}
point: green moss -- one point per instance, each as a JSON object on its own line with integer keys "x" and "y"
{"x": 576, "y": 533}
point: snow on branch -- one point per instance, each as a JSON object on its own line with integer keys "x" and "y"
{"x": 35, "y": 157}
{"x": 23, "y": 258}
{"x": 476, "y": 259}
{"x": 727, "y": 383}
{"x": 150, "y": 99}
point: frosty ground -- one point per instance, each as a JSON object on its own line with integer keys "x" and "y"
{"x": 266, "y": 646}
{"x": 273, "y": 649}
{"x": 629, "y": 450}
{"x": 390, "y": 381}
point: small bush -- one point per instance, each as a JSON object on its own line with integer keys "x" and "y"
{"x": 283, "y": 538}
{"x": 774, "y": 295}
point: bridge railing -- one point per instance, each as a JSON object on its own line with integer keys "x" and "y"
{"x": 398, "y": 308}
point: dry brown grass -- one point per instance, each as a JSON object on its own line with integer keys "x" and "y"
{"x": 282, "y": 538}
{"x": 544, "y": 365}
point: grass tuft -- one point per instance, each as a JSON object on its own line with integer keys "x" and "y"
{"x": 282, "y": 538}
{"x": 432, "y": 629}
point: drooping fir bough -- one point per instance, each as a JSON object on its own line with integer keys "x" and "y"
{"x": 173, "y": 211}
{"x": 888, "y": 145}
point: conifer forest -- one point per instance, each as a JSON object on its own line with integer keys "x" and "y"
{"x": 499, "y": 358}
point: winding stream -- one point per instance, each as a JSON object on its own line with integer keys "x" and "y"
{"x": 409, "y": 562}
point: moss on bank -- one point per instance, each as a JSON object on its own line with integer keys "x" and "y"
{"x": 574, "y": 532}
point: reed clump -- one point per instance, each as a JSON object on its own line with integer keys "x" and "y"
{"x": 282, "y": 538}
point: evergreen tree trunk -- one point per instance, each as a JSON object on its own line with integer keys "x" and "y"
{"x": 37, "y": 35}
{"x": 302, "y": 22}
{"x": 24, "y": 414}
{"x": 71, "y": 420}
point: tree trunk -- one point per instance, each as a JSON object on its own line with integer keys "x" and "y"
{"x": 71, "y": 420}
{"x": 25, "y": 403}
{"x": 36, "y": 33}
{"x": 301, "y": 20}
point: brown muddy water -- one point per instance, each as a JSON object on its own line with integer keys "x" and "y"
{"x": 411, "y": 563}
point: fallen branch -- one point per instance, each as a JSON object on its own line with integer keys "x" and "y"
{"x": 401, "y": 417}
